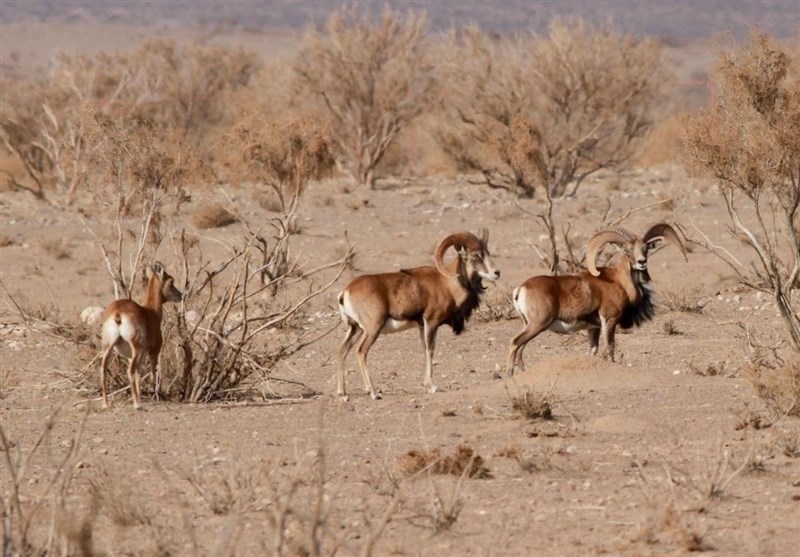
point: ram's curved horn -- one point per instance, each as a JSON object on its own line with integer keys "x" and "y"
{"x": 465, "y": 240}
{"x": 665, "y": 231}
{"x": 612, "y": 235}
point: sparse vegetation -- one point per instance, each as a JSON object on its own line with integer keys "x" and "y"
{"x": 548, "y": 111}
{"x": 373, "y": 78}
{"x": 463, "y": 461}
{"x": 532, "y": 405}
{"x": 748, "y": 142}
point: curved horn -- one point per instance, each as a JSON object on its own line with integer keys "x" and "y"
{"x": 460, "y": 239}
{"x": 663, "y": 230}
{"x": 483, "y": 234}
{"x": 612, "y": 235}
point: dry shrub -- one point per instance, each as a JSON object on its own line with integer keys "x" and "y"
{"x": 496, "y": 306}
{"x": 713, "y": 369}
{"x": 174, "y": 87}
{"x": 748, "y": 142}
{"x": 212, "y": 215}
{"x": 37, "y": 516}
{"x": 228, "y": 487}
{"x": 281, "y": 155}
{"x": 464, "y": 461}
{"x": 670, "y": 329}
{"x": 548, "y": 110}
{"x": 119, "y": 502}
{"x": 373, "y": 78}
{"x": 777, "y": 384}
{"x": 532, "y": 405}
{"x": 686, "y": 300}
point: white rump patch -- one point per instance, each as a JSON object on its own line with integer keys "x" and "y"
{"x": 520, "y": 301}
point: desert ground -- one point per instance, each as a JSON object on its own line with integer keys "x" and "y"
{"x": 643, "y": 456}
{"x": 666, "y": 451}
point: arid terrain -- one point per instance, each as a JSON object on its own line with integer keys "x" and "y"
{"x": 669, "y": 450}
{"x": 627, "y": 465}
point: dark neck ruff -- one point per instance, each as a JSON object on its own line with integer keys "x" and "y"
{"x": 644, "y": 309}
{"x": 475, "y": 290}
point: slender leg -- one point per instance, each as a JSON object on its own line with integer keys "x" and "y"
{"x": 429, "y": 340}
{"x": 518, "y": 342}
{"x": 155, "y": 372}
{"x": 350, "y": 338}
{"x": 607, "y": 331}
{"x": 363, "y": 348}
{"x": 594, "y": 340}
{"x": 133, "y": 380}
{"x": 103, "y": 367}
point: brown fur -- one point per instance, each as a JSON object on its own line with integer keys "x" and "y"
{"x": 426, "y": 296}
{"x": 597, "y": 300}
{"x": 145, "y": 321}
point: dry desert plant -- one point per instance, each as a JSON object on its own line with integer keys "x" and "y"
{"x": 44, "y": 120}
{"x": 532, "y": 405}
{"x": 29, "y": 505}
{"x": 748, "y": 142}
{"x": 212, "y": 215}
{"x": 548, "y": 111}
{"x": 373, "y": 77}
{"x": 464, "y": 461}
{"x": 777, "y": 384}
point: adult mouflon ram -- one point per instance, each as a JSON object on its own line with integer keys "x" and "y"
{"x": 596, "y": 300}
{"x": 422, "y": 297}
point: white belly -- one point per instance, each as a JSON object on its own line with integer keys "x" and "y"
{"x": 563, "y": 327}
{"x": 395, "y": 326}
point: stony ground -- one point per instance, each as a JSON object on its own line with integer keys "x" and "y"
{"x": 643, "y": 456}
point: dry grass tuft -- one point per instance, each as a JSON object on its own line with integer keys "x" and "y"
{"x": 117, "y": 501}
{"x": 532, "y": 405}
{"x": 714, "y": 369}
{"x": 777, "y": 384}
{"x": 684, "y": 300}
{"x": 670, "y": 329}
{"x": 212, "y": 215}
{"x": 496, "y": 306}
{"x": 464, "y": 461}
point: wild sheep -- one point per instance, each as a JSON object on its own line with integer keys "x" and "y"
{"x": 133, "y": 329}
{"x": 596, "y": 300}
{"x": 425, "y": 297}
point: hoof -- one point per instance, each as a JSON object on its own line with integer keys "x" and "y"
{"x": 376, "y": 395}
{"x": 433, "y": 389}
{"x": 341, "y": 397}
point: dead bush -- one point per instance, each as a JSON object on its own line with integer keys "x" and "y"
{"x": 117, "y": 501}
{"x": 548, "y": 111}
{"x": 532, "y": 405}
{"x": 463, "y": 461}
{"x": 777, "y": 384}
{"x": 682, "y": 300}
{"x": 748, "y": 142}
{"x": 373, "y": 77}
{"x": 212, "y": 215}
{"x": 36, "y": 505}
{"x": 496, "y": 306}
{"x": 174, "y": 87}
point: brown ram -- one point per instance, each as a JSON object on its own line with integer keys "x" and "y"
{"x": 423, "y": 297}
{"x": 596, "y": 300}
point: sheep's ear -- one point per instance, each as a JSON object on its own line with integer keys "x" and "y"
{"x": 158, "y": 270}
{"x": 654, "y": 243}
{"x": 483, "y": 234}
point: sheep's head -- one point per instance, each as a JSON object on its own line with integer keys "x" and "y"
{"x": 636, "y": 249}
{"x": 473, "y": 253}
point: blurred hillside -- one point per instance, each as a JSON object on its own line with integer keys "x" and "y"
{"x": 676, "y": 20}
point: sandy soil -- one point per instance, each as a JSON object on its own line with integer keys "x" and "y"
{"x": 626, "y": 466}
